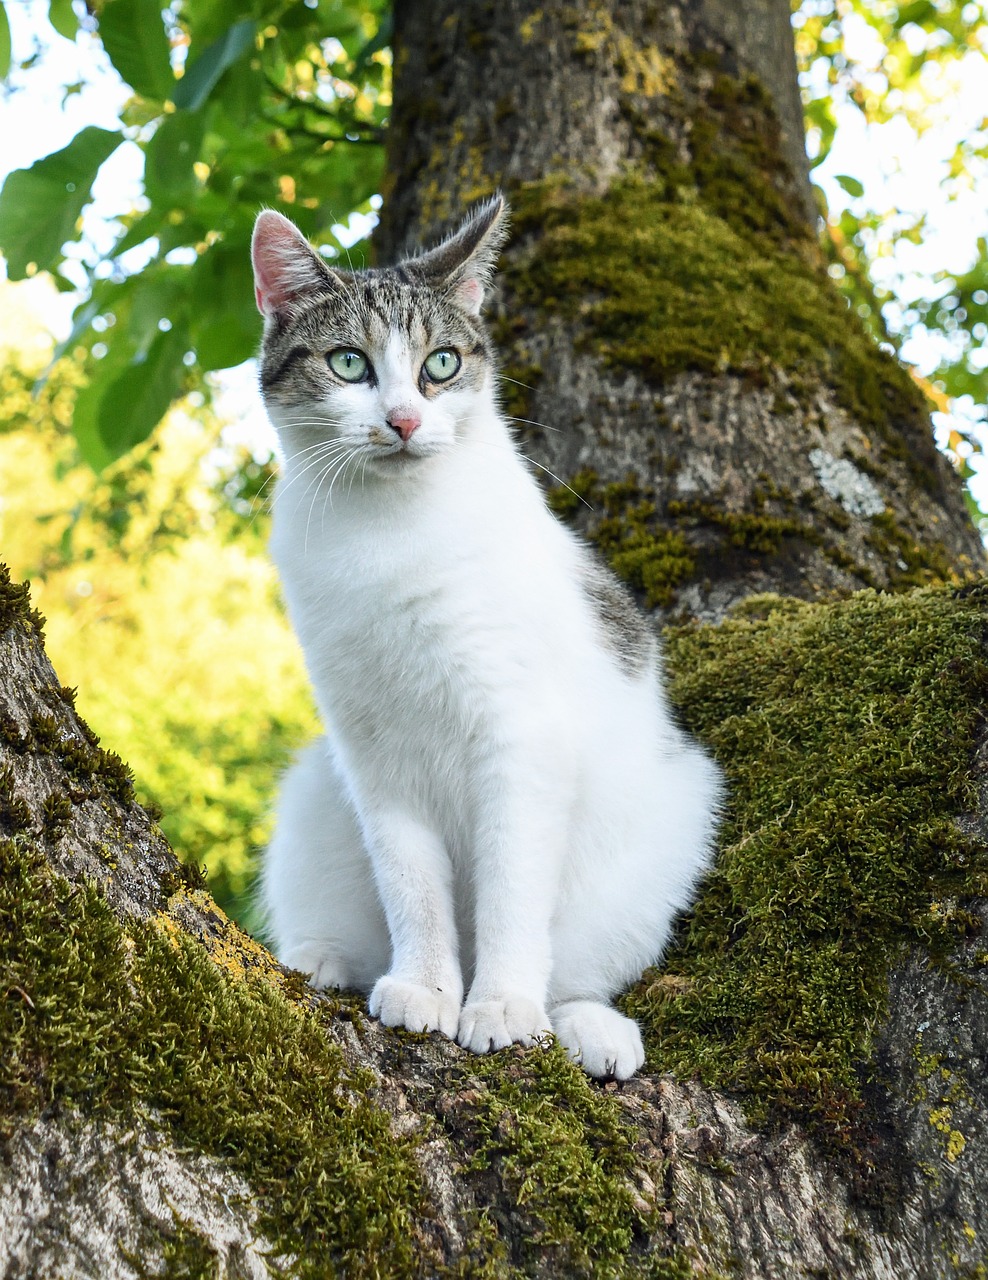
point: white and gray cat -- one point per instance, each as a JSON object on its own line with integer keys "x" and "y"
{"x": 502, "y": 804}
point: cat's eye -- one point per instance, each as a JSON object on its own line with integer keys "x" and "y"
{"x": 442, "y": 364}
{"x": 350, "y": 365}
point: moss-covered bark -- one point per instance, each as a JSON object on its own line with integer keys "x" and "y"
{"x": 169, "y": 1067}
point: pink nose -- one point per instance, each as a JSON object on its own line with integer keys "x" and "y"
{"x": 403, "y": 423}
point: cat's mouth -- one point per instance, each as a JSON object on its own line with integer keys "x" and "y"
{"x": 398, "y": 455}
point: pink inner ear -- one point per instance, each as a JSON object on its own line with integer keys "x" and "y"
{"x": 470, "y": 295}
{"x": 283, "y": 265}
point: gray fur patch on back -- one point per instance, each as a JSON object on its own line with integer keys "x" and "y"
{"x": 623, "y": 628}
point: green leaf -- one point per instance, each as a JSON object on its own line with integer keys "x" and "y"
{"x": 385, "y": 34}
{"x": 39, "y": 207}
{"x": 200, "y": 78}
{"x": 63, "y": 18}
{"x": 135, "y": 402}
{"x": 142, "y": 228}
{"x": 168, "y": 177}
{"x": 225, "y": 328}
{"x": 852, "y": 186}
{"x": 917, "y": 12}
{"x": 87, "y": 410}
{"x": 4, "y": 42}
{"x": 133, "y": 35}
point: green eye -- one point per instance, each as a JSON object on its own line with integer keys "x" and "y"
{"x": 442, "y": 364}
{"x": 350, "y": 365}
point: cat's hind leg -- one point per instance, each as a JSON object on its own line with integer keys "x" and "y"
{"x": 323, "y": 912}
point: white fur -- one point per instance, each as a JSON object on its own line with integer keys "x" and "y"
{"x": 498, "y": 806}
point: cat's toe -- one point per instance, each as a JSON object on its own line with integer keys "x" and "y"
{"x": 320, "y": 961}
{"x": 414, "y": 1007}
{"x": 486, "y": 1025}
{"x": 603, "y": 1041}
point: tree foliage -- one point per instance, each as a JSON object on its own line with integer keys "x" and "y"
{"x": 203, "y": 692}
{"x": 904, "y": 63}
{"x": 281, "y": 106}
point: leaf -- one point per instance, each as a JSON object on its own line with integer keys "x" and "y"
{"x": 135, "y": 402}
{"x": 384, "y": 36}
{"x": 142, "y": 228}
{"x": 133, "y": 35}
{"x": 917, "y": 12}
{"x": 4, "y": 42}
{"x": 39, "y": 207}
{"x": 63, "y": 18}
{"x": 169, "y": 180}
{"x": 86, "y": 412}
{"x": 197, "y": 84}
{"x": 225, "y": 328}
{"x": 852, "y": 186}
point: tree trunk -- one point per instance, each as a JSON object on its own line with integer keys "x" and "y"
{"x": 664, "y": 309}
{"x": 171, "y": 1102}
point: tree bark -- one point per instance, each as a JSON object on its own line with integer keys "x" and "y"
{"x": 714, "y": 471}
{"x": 717, "y": 449}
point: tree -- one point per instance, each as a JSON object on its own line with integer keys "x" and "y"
{"x": 814, "y": 1100}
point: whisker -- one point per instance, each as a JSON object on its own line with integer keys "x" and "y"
{"x": 531, "y": 422}
{"x": 329, "y": 457}
{"x": 335, "y": 466}
{"x": 541, "y": 466}
{"x": 544, "y": 468}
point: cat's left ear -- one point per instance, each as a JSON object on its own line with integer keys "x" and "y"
{"x": 463, "y": 264}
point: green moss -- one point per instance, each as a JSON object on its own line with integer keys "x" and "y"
{"x": 143, "y": 1021}
{"x": 689, "y": 285}
{"x": 911, "y": 563}
{"x": 561, "y": 1155}
{"x": 625, "y": 526}
{"x": 15, "y": 605}
{"x": 845, "y": 731}
{"x": 184, "y": 1252}
{"x": 86, "y": 763}
{"x": 561, "y": 1152}
{"x": 750, "y": 530}
{"x": 56, "y": 813}
{"x": 14, "y": 814}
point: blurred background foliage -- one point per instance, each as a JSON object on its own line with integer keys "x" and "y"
{"x": 907, "y": 70}
{"x": 146, "y": 546}
{"x": 162, "y": 608}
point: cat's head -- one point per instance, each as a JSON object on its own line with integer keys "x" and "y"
{"x": 386, "y": 365}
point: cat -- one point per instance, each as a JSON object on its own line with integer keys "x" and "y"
{"x": 502, "y": 803}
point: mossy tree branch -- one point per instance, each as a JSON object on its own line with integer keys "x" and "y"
{"x": 159, "y": 1063}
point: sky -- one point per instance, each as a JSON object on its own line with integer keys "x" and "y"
{"x": 902, "y": 177}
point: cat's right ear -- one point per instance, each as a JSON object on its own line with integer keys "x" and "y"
{"x": 286, "y": 267}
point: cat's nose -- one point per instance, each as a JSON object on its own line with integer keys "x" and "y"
{"x": 403, "y": 422}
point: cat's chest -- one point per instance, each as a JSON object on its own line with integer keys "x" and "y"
{"x": 435, "y": 623}
{"x": 408, "y": 634}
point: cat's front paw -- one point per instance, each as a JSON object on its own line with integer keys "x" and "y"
{"x": 603, "y": 1041}
{"x": 486, "y": 1025}
{"x": 320, "y": 961}
{"x": 414, "y": 1007}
